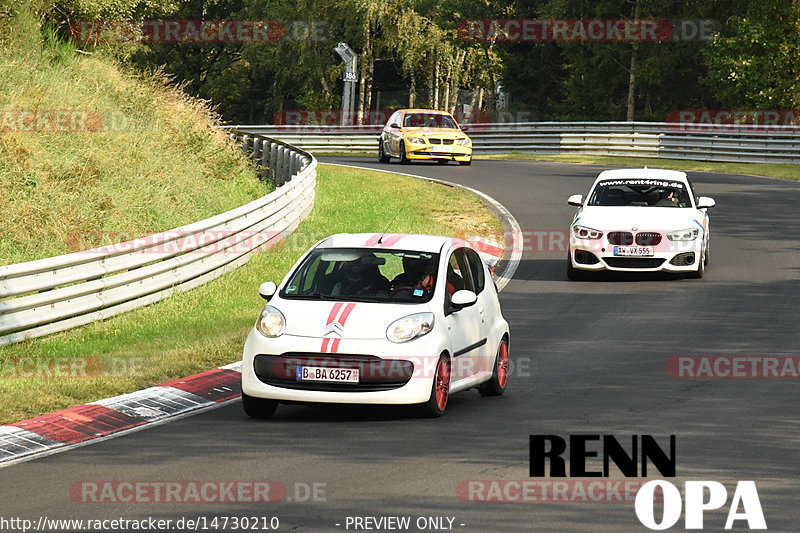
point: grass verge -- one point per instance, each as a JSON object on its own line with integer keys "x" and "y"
{"x": 206, "y": 327}
{"x": 92, "y": 154}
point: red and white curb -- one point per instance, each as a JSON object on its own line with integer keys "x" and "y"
{"x": 111, "y": 417}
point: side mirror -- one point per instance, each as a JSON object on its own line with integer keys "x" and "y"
{"x": 394, "y": 126}
{"x": 463, "y": 298}
{"x": 267, "y": 289}
{"x": 576, "y": 200}
{"x": 705, "y": 202}
{"x": 464, "y": 127}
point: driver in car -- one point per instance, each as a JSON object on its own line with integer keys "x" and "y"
{"x": 414, "y": 275}
{"x": 670, "y": 198}
{"x": 361, "y": 278}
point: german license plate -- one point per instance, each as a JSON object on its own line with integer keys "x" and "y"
{"x": 330, "y": 375}
{"x": 633, "y": 251}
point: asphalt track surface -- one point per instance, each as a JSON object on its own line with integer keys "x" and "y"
{"x": 590, "y": 358}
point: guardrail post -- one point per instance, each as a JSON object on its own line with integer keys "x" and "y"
{"x": 256, "y": 149}
{"x": 280, "y": 168}
{"x": 286, "y": 166}
{"x": 273, "y": 163}
{"x": 266, "y": 148}
{"x": 245, "y": 143}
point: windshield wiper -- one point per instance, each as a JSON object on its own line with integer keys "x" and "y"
{"x": 311, "y": 295}
{"x": 368, "y": 299}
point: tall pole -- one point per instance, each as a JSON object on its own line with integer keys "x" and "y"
{"x": 350, "y": 78}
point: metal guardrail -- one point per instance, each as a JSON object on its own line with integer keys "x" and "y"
{"x": 718, "y": 142}
{"x": 57, "y": 293}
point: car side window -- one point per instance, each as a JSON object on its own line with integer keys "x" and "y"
{"x": 458, "y": 275}
{"x": 692, "y": 190}
{"x": 476, "y": 269}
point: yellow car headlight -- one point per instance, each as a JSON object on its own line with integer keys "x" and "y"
{"x": 416, "y": 140}
{"x": 463, "y": 142}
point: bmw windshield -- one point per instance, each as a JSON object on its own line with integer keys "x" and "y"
{"x": 429, "y": 120}
{"x": 640, "y": 192}
{"x": 362, "y": 274}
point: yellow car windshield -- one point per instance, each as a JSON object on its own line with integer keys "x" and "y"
{"x": 428, "y": 120}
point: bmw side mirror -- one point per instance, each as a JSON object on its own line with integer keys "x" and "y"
{"x": 394, "y": 126}
{"x": 463, "y": 298}
{"x": 267, "y": 289}
{"x": 704, "y": 202}
{"x": 464, "y": 127}
{"x": 576, "y": 200}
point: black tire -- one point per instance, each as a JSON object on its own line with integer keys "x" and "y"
{"x": 442, "y": 161}
{"x": 382, "y": 157}
{"x": 258, "y": 407}
{"x": 440, "y": 390}
{"x": 497, "y": 385}
{"x": 466, "y": 163}
{"x": 402, "y": 156}
{"x": 574, "y": 273}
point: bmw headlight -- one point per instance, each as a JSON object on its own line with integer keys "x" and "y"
{"x": 582, "y": 232}
{"x": 416, "y": 140}
{"x": 271, "y": 323}
{"x": 683, "y": 235}
{"x": 410, "y": 327}
{"x": 463, "y": 142}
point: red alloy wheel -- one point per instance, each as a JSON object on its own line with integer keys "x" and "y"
{"x": 442, "y": 383}
{"x": 502, "y": 364}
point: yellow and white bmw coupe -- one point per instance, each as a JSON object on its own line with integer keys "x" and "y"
{"x": 424, "y": 134}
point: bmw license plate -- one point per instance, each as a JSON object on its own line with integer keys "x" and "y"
{"x": 331, "y": 375}
{"x": 633, "y": 251}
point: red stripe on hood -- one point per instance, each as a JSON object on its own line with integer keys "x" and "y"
{"x": 334, "y": 312}
{"x": 347, "y": 310}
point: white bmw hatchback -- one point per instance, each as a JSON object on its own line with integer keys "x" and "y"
{"x": 377, "y": 319}
{"x": 640, "y": 220}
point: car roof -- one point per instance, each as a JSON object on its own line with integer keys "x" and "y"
{"x": 426, "y": 111}
{"x": 643, "y": 173}
{"x": 391, "y": 241}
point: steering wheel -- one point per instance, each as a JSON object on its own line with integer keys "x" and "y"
{"x": 407, "y": 288}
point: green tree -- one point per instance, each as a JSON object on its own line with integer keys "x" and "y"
{"x": 754, "y": 63}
